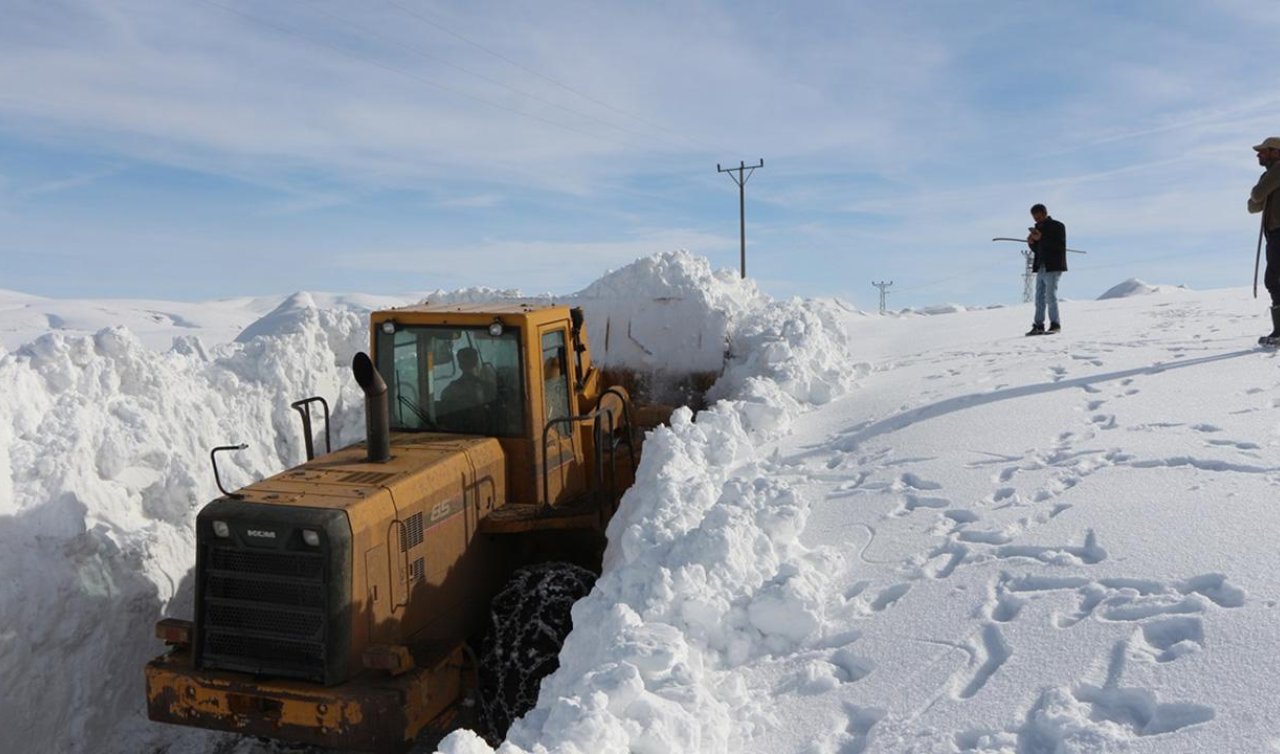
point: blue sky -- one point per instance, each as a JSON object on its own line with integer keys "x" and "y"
{"x": 198, "y": 149}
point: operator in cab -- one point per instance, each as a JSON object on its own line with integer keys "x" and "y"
{"x": 464, "y": 404}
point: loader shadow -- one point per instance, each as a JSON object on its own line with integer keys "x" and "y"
{"x": 850, "y": 440}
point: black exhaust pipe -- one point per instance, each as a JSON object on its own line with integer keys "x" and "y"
{"x": 377, "y": 416}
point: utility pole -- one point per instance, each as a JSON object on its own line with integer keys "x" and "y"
{"x": 1028, "y": 276}
{"x": 883, "y": 286}
{"x": 741, "y": 179}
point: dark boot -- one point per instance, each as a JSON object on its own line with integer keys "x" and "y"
{"x": 1036, "y": 330}
{"x": 1054, "y": 327}
{"x": 1273, "y": 339}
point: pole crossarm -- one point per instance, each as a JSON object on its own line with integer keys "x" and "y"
{"x": 741, "y": 179}
{"x": 1023, "y": 240}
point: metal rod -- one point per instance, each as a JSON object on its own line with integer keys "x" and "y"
{"x": 213, "y": 456}
{"x": 1023, "y": 240}
{"x": 303, "y": 407}
{"x": 1257, "y": 257}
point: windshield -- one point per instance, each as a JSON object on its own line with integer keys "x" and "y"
{"x": 453, "y": 379}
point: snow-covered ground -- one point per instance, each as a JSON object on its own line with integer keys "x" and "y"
{"x": 911, "y": 533}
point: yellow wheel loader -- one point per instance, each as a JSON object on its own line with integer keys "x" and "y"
{"x": 340, "y": 603}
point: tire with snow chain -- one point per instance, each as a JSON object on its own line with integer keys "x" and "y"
{"x": 528, "y": 622}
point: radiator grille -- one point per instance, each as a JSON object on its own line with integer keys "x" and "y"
{"x": 274, "y": 622}
{"x": 271, "y": 592}
{"x": 302, "y": 564}
{"x": 411, "y": 532}
{"x": 265, "y": 612}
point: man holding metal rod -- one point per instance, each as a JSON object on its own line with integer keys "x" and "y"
{"x": 1048, "y": 242}
{"x": 1263, "y": 199}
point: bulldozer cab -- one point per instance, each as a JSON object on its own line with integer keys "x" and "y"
{"x": 449, "y": 378}
{"x": 520, "y": 374}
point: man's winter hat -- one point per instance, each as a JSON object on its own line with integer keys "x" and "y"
{"x": 1271, "y": 142}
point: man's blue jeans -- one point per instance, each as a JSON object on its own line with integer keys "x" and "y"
{"x": 1047, "y": 295}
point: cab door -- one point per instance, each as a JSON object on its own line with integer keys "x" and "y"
{"x": 566, "y": 478}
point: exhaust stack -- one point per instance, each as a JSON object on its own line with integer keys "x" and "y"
{"x": 377, "y": 416}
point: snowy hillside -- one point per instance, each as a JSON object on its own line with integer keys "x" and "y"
{"x": 891, "y": 534}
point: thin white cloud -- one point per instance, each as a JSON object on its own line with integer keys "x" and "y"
{"x": 473, "y": 201}
{"x": 531, "y": 265}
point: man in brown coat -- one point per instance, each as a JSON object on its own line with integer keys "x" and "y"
{"x": 1265, "y": 199}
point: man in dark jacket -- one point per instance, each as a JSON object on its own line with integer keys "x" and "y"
{"x": 1264, "y": 199}
{"x": 1048, "y": 242}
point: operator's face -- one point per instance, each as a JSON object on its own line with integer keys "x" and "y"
{"x": 1268, "y": 157}
{"x": 1039, "y": 216}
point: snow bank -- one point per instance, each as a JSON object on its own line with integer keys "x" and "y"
{"x": 104, "y": 462}
{"x": 1135, "y": 287}
{"x": 703, "y": 572}
{"x": 937, "y": 309}
{"x": 668, "y": 312}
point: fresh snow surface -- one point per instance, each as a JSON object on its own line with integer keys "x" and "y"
{"x": 890, "y": 534}
{"x": 156, "y": 323}
{"x": 1135, "y": 287}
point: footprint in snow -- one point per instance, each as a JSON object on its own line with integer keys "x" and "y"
{"x": 1168, "y": 639}
{"x": 854, "y": 729}
{"x": 1002, "y": 494}
{"x": 913, "y": 502}
{"x": 890, "y": 596}
{"x": 1104, "y": 421}
{"x": 995, "y": 651}
{"x": 909, "y": 481}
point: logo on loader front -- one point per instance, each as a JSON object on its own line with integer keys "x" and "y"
{"x": 260, "y": 533}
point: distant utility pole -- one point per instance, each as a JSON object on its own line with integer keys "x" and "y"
{"x": 883, "y": 286}
{"x": 741, "y": 180}
{"x": 1028, "y": 276}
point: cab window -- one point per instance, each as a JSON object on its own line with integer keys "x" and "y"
{"x": 453, "y": 379}
{"x": 555, "y": 380}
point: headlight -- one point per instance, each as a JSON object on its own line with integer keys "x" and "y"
{"x": 389, "y": 327}
{"x": 495, "y": 329}
{"x": 221, "y": 529}
{"x": 311, "y": 537}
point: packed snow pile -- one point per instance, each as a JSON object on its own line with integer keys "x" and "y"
{"x": 303, "y": 312}
{"x": 666, "y": 312}
{"x": 1135, "y": 287}
{"x": 704, "y": 572}
{"x": 103, "y": 462}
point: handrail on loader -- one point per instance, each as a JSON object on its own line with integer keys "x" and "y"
{"x": 596, "y": 416}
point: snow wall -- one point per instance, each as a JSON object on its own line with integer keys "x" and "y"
{"x": 104, "y": 463}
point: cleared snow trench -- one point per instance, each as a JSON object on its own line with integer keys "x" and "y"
{"x": 900, "y": 533}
